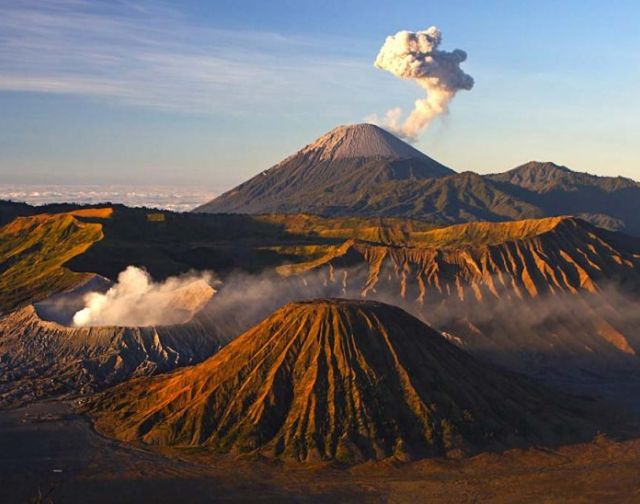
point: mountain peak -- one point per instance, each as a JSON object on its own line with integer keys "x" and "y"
{"x": 542, "y": 167}
{"x": 361, "y": 141}
{"x": 546, "y": 176}
{"x": 534, "y": 163}
{"x": 397, "y": 388}
{"x": 346, "y": 161}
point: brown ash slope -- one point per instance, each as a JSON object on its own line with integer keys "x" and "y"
{"x": 545, "y": 296}
{"x": 49, "y": 261}
{"x": 40, "y": 355}
{"x": 345, "y": 380}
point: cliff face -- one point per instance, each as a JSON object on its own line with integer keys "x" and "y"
{"x": 339, "y": 379}
{"x": 550, "y": 297}
{"x": 535, "y": 295}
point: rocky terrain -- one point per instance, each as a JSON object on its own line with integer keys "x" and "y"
{"x": 555, "y": 298}
{"x": 41, "y": 358}
{"x": 344, "y": 380}
{"x": 547, "y": 297}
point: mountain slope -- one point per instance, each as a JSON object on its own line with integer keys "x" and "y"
{"x": 450, "y": 199}
{"x": 610, "y": 202}
{"x": 339, "y": 379}
{"x": 556, "y": 298}
{"x": 542, "y": 177}
{"x": 34, "y": 249}
{"x": 548, "y": 297}
{"x": 9, "y": 210}
{"x": 340, "y": 164}
{"x": 43, "y": 359}
{"x": 362, "y": 170}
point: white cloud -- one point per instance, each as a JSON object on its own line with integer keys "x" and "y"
{"x": 181, "y": 199}
{"x": 144, "y": 54}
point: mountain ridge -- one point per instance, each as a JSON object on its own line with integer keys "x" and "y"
{"x": 574, "y": 286}
{"x": 543, "y": 176}
{"x": 349, "y": 173}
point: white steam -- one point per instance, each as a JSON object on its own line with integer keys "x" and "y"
{"x": 415, "y": 56}
{"x": 136, "y": 300}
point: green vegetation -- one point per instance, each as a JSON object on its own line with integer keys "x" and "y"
{"x": 33, "y": 251}
{"x": 374, "y": 187}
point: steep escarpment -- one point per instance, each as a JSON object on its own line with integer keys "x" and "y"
{"x": 545, "y": 296}
{"x": 527, "y": 258}
{"x": 344, "y": 380}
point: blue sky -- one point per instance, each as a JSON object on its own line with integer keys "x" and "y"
{"x": 212, "y": 92}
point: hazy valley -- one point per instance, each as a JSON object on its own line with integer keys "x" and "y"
{"x": 358, "y": 322}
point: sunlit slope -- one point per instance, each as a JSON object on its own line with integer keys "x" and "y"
{"x": 535, "y": 294}
{"x": 529, "y": 257}
{"x": 345, "y": 380}
{"x": 46, "y": 253}
{"x": 33, "y": 251}
{"x": 167, "y": 244}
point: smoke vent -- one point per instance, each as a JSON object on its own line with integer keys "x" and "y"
{"x": 135, "y": 300}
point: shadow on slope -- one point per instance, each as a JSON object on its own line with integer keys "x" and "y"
{"x": 348, "y": 381}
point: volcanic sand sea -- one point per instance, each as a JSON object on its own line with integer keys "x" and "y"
{"x": 47, "y": 436}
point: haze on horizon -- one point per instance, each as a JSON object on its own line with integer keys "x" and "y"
{"x": 210, "y": 93}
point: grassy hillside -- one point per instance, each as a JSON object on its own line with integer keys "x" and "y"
{"x": 34, "y": 250}
{"x": 47, "y": 253}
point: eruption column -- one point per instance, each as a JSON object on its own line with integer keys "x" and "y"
{"x": 415, "y": 56}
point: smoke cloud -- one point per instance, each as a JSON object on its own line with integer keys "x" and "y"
{"x": 415, "y": 56}
{"x": 531, "y": 335}
{"x": 136, "y": 300}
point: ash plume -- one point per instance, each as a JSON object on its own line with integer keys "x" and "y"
{"x": 416, "y": 56}
{"x": 136, "y": 300}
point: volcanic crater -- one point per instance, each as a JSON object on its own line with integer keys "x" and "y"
{"x": 344, "y": 380}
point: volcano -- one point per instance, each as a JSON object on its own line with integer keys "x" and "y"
{"x": 342, "y": 380}
{"x": 363, "y": 171}
{"x": 337, "y": 166}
